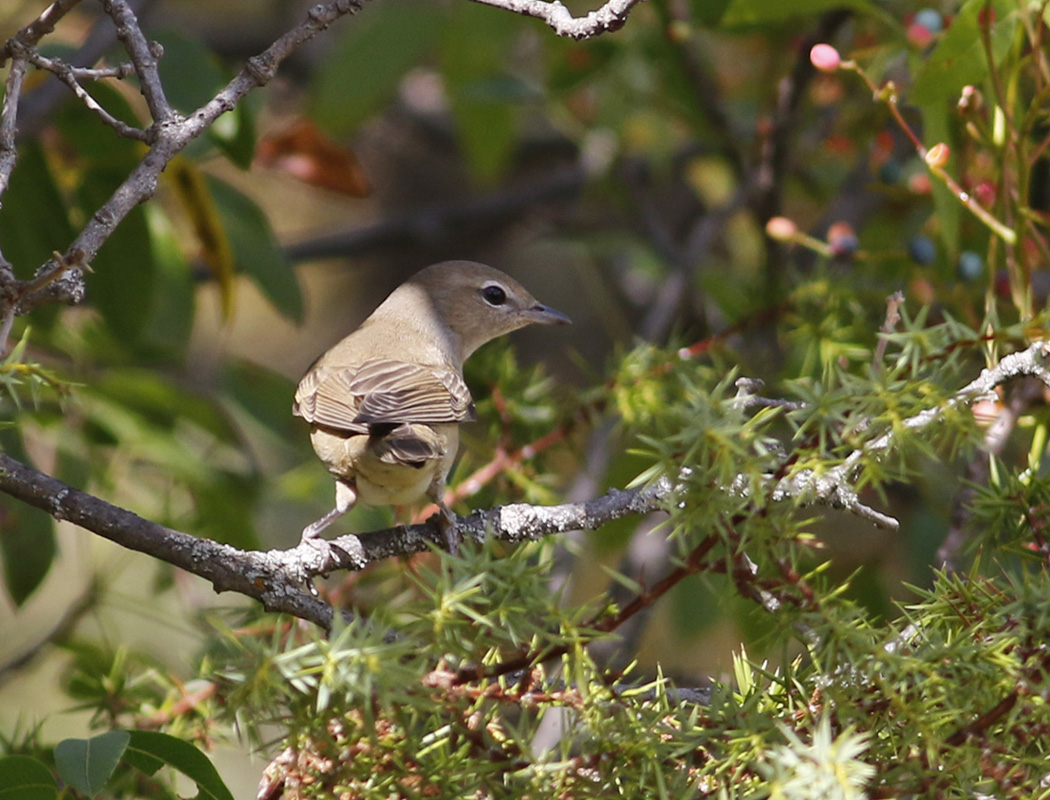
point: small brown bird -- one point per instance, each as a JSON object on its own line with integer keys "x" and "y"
{"x": 386, "y": 402}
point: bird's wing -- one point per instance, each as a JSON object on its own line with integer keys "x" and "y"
{"x": 411, "y": 445}
{"x": 382, "y": 392}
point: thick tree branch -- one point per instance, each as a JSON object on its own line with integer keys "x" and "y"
{"x": 610, "y": 17}
{"x": 278, "y": 578}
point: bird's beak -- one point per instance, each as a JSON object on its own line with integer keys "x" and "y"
{"x": 545, "y": 315}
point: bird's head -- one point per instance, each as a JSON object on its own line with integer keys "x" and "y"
{"x": 479, "y": 303}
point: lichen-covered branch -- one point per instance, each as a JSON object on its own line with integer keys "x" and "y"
{"x": 835, "y": 486}
{"x": 610, "y": 17}
{"x": 279, "y": 578}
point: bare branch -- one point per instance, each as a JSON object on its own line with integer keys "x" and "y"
{"x": 9, "y": 122}
{"x": 37, "y": 105}
{"x": 40, "y": 27}
{"x": 68, "y": 76}
{"x": 170, "y": 134}
{"x": 277, "y": 578}
{"x": 142, "y": 56}
{"x": 610, "y": 17}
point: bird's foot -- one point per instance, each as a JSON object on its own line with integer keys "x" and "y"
{"x": 446, "y": 524}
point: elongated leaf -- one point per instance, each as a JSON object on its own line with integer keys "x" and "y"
{"x": 149, "y": 751}
{"x": 764, "y": 12}
{"x": 256, "y": 250}
{"x": 162, "y": 402}
{"x": 264, "y": 394}
{"x": 87, "y": 764}
{"x": 192, "y": 74}
{"x": 173, "y": 305}
{"x": 192, "y": 189}
{"x": 483, "y": 98}
{"x": 25, "y": 778}
{"x": 959, "y": 57}
{"x": 34, "y": 220}
{"x": 121, "y": 286}
{"x": 27, "y": 535}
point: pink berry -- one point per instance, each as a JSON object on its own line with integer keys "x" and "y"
{"x": 781, "y": 229}
{"x": 825, "y": 57}
{"x": 938, "y": 155}
{"x": 918, "y": 35}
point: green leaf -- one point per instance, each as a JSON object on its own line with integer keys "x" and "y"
{"x": 190, "y": 71}
{"x": 256, "y": 250}
{"x": 91, "y": 139}
{"x": 265, "y": 396}
{"x": 192, "y": 75}
{"x": 709, "y": 12}
{"x": 27, "y": 535}
{"x": 149, "y": 751}
{"x": 365, "y": 68}
{"x": 224, "y": 505}
{"x": 162, "y": 402}
{"x": 959, "y": 57}
{"x": 122, "y": 284}
{"x": 483, "y": 96}
{"x": 87, "y": 764}
{"x": 25, "y": 778}
{"x": 34, "y": 221}
{"x": 234, "y": 133}
{"x": 173, "y": 305}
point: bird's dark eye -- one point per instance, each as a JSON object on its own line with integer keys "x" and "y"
{"x": 494, "y": 295}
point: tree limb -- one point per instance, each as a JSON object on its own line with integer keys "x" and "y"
{"x": 610, "y": 17}
{"x": 834, "y": 486}
{"x": 279, "y": 578}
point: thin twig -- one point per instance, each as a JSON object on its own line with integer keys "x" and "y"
{"x": 67, "y": 75}
{"x": 40, "y": 27}
{"x": 893, "y": 316}
{"x": 833, "y": 486}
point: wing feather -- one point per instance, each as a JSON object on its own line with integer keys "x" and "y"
{"x": 382, "y": 392}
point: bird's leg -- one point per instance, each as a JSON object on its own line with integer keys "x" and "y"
{"x": 345, "y": 497}
{"x": 446, "y": 521}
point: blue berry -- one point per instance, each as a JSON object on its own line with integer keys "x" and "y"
{"x": 931, "y": 20}
{"x": 845, "y": 245}
{"x": 922, "y": 250}
{"x": 970, "y": 266}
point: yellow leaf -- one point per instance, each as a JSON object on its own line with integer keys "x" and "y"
{"x": 192, "y": 190}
